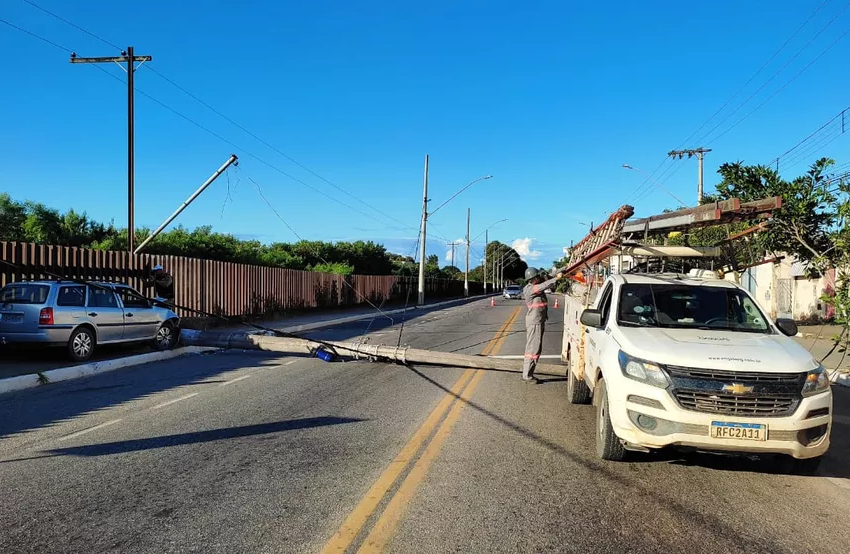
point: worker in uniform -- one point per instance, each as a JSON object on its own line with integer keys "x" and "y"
{"x": 535, "y": 319}
{"x": 163, "y": 283}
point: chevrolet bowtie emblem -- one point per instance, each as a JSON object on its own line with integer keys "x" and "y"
{"x": 737, "y": 388}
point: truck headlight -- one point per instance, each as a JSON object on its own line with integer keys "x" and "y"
{"x": 817, "y": 381}
{"x": 643, "y": 371}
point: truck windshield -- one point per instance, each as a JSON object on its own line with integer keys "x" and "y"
{"x": 689, "y": 307}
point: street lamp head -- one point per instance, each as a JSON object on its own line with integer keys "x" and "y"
{"x": 627, "y": 166}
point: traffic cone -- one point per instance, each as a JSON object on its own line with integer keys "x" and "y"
{"x": 492, "y": 302}
{"x": 556, "y": 303}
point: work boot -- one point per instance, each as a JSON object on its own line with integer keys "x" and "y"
{"x": 533, "y": 380}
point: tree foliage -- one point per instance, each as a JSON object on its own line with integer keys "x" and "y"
{"x": 812, "y": 224}
{"x": 35, "y": 222}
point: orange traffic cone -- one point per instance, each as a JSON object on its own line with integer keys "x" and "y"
{"x": 556, "y": 303}
{"x": 492, "y": 302}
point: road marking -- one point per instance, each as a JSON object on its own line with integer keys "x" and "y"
{"x": 385, "y": 527}
{"x": 341, "y": 540}
{"x": 842, "y": 419}
{"x": 290, "y": 362}
{"x": 237, "y": 379}
{"x": 520, "y": 356}
{"x": 174, "y": 401}
{"x": 365, "y": 508}
{"x": 89, "y": 430}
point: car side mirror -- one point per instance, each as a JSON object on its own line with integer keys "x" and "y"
{"x": 787, "y": 326}
{"x": 591, "y": 318}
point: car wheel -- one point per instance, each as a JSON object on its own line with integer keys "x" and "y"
{"x": 608, "y": 445}
{"x": 81, "y": 344}
{"x": 166, "y": 337}
{"x": 577, "y": 390}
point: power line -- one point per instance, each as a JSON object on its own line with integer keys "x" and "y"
{"x": 229, "y": 120}
{"x": 216, "y": 135}
{"x": 772, "y": 77}
{"x": 783, "y": 87}
{"x": 840, "y": 114}
{"x": 756, "y": 74}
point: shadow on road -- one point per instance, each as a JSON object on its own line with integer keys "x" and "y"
{"x": 50, "y": 404}
{"x": 737, "y": 540}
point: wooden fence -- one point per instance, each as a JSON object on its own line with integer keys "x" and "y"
{"x": 222, "y": 288}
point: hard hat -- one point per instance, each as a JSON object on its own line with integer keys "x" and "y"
{"x": 530, "y": 273}
{"x": 157, "y": 267}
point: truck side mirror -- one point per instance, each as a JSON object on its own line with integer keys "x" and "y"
{"x": 787, "y": 326}
{"x": 592, "y": 318}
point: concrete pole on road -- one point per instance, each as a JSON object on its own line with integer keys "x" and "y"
{"x": 466, "y": 274}
{"x": 484, "y": 265}
{"x": 422, "y": 236}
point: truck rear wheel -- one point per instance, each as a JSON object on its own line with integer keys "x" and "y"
{"x": 577, "y": 390}
{"x": 608, "y": 445}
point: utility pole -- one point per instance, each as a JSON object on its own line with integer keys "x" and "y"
{"x": 452, "y": 245}
{"x": 700, "y": 154}
{"x": 422, "y": 236}
{"x": 130, "y": 58}
{"x": 466, "y": 274}
{"x": 484, "y": 265}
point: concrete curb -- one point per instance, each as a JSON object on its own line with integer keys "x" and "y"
{"x": 351, "y": 319}
{"x": 84, "y": 370}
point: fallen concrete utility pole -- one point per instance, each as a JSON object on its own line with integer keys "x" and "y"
{"x": 400, "y": 354}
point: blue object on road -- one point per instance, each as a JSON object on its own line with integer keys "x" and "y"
{"x": 324, "y": 355}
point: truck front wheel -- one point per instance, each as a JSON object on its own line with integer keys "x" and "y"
{"x": 577, "y": 390}
{"x": 608, "y": 445}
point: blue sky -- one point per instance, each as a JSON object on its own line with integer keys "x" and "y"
{"x": 551, "y": 98}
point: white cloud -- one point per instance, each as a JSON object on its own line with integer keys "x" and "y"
{"x": 460, "y": 252}
{"x": 525, "y": 249}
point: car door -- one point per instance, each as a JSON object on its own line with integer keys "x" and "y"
{"x": 70, "y": 306}
{"x": 595, "y": 338}
{"x": 105, "y": 313}
{"x": 140, "y": 319}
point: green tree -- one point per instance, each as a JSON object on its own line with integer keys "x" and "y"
{"x": 12, "y": 217}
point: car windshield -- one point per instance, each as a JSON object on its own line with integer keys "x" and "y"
{"x": 514, "y": 288}
{"x": 689, "y": 307}
{"x": 24, "y": 294}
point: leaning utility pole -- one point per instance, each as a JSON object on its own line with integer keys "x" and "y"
{"x": 131, "y": 58}
{"x": 422, "y": 237}
{"x": 466, "y": 274}
{"x": 700, "y": 154}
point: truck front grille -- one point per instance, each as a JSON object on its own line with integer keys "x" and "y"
{"x": 737, "y": 405}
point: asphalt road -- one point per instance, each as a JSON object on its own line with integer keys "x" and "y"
{"x": 250, "y": 452}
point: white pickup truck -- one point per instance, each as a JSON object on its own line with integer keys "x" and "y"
{"x": 693, "y": 361}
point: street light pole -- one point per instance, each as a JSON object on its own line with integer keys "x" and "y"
{"x": 466, "y": 275}
{"x": 422, "y": 235}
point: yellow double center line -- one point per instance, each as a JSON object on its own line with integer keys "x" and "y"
{"x": 386, "y": 524}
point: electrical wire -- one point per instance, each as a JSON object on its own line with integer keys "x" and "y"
{"x": 776, "y": 74}
{"x": 756, "y": 74}
{"x": 231, "y": 121}
{"x": 784, "y": 86}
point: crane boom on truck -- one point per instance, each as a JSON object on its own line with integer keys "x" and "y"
{"x": 688, "y": 359}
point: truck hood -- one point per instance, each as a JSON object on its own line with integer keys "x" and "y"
{"x": 729, "y": 350}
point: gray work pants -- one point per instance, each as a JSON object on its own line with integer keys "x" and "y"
{"x": 533, "y": 348}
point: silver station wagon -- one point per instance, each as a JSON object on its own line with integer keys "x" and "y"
{"x": 80, "y": 317}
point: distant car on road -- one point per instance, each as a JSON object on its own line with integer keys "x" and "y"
{"x": 512, "y": 291}
{"x": 80, "y": 317}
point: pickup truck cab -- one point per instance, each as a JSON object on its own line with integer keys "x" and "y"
{"x": 693, "y": 361}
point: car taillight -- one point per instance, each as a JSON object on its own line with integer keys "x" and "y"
{"x": 45, "y": 316}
